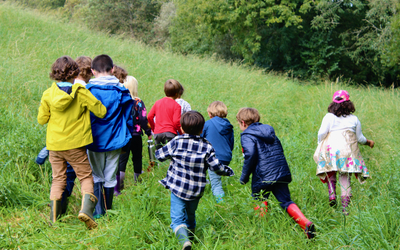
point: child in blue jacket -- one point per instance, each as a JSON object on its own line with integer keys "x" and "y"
{"x": 219, "y": 132}
{"x": 265, "y": 161}
{"x": 110, "y": 133}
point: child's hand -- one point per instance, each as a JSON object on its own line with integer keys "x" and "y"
{"x": 370, "y": 143}
{"x": 229, "y": 172}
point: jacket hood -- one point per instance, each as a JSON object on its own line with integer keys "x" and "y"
{"x": 60, "y": 100}
{"x": 222, "y": 125}
{"x": 262, "y": 131}
{"x": 106, "y": 80}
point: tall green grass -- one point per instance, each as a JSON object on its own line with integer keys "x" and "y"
{"x": 30, "y": 42}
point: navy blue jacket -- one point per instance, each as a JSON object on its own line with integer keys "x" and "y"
{"x": 263, "y": 158}
{"x": 219, "y": 132}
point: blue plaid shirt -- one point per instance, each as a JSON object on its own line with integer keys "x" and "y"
{"x": 191, "y": 156}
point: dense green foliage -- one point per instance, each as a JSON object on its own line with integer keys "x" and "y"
{"x": 140, "y": 217}
{"x": 354, "y": 40}
{"x": 331, "y": 39}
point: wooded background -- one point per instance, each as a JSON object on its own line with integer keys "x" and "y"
{"x": 355, "y": 41}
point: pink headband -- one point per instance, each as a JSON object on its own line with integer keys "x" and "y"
{"x": 341, "y": 94}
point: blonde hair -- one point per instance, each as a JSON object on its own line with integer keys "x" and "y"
{"x": 131, "y": 83}
{"x": 248, "y": 115}
{"x": 217, "y": 108}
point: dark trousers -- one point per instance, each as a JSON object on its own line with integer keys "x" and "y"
{"x": 280, "y": 191}
{"x": 163, "y": 138}
{"x": 135, "y": 146}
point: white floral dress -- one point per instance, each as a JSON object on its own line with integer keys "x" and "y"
{"x": 339, "y": 152}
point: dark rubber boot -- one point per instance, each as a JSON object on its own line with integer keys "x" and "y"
{"x": 109, "y": 193}
{"x": 86, "y": 214}
{"x": 191, "y": 234}
{"x": 98, "y": 192}
{"x": 64, "y": 206}
{"x": 55, "y": 212}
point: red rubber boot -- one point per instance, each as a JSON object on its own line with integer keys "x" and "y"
{"x": 294, "y": 211}
{"x": 263, "y": 209}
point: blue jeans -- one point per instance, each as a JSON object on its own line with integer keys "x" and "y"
{"x": 183, "y": 212}
{"x": 216, "y": 184}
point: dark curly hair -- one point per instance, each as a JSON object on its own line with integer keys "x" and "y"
{"x": 64, "y": 69}
{"x": 120, "y": 73}
{"x": 341, "y": 109}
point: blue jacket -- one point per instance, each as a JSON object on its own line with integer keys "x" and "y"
{"x": 115, "y": 129}
{"x": 219, "y": 132}
{"x": 263, "y": 158}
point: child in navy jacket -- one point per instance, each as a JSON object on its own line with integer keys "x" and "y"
{"x": 219, "y": 132}
{"x": 265, "y": 161}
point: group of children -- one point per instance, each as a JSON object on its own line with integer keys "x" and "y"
{"x": 93, "y": 128}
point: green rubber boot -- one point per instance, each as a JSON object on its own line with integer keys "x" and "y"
{"x": 86, "y": 214}
{"x": 55, "y": 212}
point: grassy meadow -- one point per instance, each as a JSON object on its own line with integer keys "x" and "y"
{"x": 30, "y": 42}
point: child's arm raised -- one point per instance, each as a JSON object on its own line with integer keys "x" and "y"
{"x": 218, "y": 167}
{"x": 166, "y": 151}
{"x": 95, "y": 106}
{"x": 250, "y": 157}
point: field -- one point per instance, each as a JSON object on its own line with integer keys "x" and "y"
{"x": 30, "y": 42}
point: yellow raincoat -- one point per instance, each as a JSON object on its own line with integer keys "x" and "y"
{"x": 68, "y": 116}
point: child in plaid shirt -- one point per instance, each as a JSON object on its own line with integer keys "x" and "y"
{"x": 191, "y": 156}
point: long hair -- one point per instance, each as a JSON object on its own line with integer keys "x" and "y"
{"x": 132, "y": 84}
{"x": 341, "y": 109}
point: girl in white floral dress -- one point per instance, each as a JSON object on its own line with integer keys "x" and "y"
{"x": 338, "y": 151}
